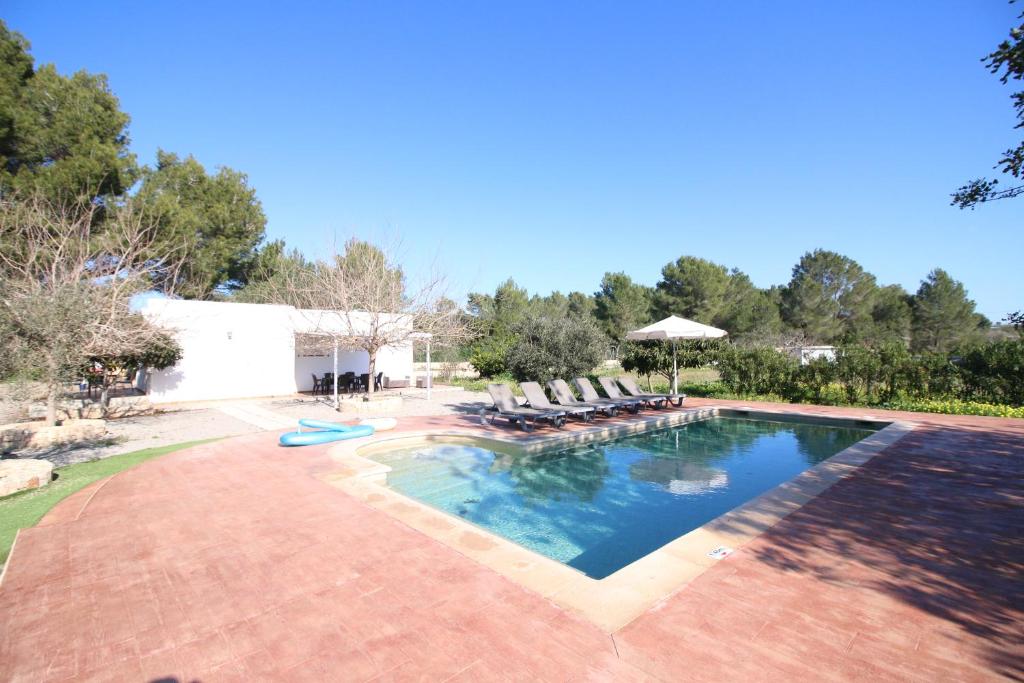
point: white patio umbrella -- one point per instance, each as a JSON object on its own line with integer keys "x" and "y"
{"x": 673, "y": 328}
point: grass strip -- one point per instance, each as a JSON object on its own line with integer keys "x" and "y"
{"x": 25, "y": 508}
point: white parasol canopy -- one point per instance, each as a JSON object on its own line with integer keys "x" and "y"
{"x": 671, "y": 329}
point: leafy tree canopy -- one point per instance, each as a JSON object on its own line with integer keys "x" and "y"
{"x": 64, "y": 136}
{"x": 693, "y": 288}
{"x": 830, "y": 297}
{"x": 748, "y": 310}
{"x": 216, "y": 218}
{"x": 1008, "y": 58}
{"x": 581, "y": 305}
{"x": 943, "y": 316}
{"x": 890, "y": 315}
{"x": 546, "y": 348}
{"x": 621, "y": 305}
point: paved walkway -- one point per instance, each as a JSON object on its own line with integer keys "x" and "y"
{"x": 233, "y": 561}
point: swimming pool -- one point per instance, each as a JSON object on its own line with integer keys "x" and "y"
{"x": 601, "y": 506}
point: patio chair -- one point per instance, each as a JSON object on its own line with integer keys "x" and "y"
{"x": 565, "y": 397}
{"x": 590, "y": 395}
{"x": 346, "y": 382}
{"x": 537, "y": 399}
{"x": 377, "y": 382}
{"x": 611, "y": 388}
{"x": 318, "y": 385}
{"x": 506, "y": 406}
{"x": 629, "y": 384}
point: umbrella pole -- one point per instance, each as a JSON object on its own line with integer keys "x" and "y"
{"x": 337, "y": 405}
{"x": 675, "y": 370}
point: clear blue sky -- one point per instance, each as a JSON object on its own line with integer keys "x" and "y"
{"x": 553, "y": 142}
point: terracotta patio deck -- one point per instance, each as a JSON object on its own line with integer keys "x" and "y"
{"x": 233, "y": 561}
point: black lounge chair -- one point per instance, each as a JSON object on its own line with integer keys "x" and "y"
{"x": 506, "y": 406}
{"x": 565, "y": 397}
{"x": 590, "y": 395}
{"x": 612, "y": 389}
{"x": 537, "y": 399}
{"x": 629, "y": 384}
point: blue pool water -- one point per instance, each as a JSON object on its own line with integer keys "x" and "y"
{"x": 601, "y": 506}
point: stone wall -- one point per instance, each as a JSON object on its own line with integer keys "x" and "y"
{"x": 38, "y": 436}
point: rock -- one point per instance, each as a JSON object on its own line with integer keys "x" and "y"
{"x": 20, "y": 474}
{"x": 376, "y": 406}
{"x": 71, "y": 409}
{"x": 379, "y": 424}
{"x": 37, "y": 435}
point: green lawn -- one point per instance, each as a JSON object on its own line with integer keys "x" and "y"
{"x": 22, "y": 510}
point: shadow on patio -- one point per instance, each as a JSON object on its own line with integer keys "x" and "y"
{"x": 934, "y": 523}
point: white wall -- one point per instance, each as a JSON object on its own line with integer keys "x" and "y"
{"x": 395, "y": 362}
{"x": 234, "y": 350}
{"x": 229, "y": 350}
{"x": 348, "y": 361}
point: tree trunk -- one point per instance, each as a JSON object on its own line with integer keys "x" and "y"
{"x": 370, "y": 388}
{"x": 105, "y": 395}
{"x": 51, "y": 404}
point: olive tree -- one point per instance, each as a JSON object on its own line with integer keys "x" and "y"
{"x": 66, "y": 290}
{"x": 362, "y": 299}
{"x": 548, "y": 348}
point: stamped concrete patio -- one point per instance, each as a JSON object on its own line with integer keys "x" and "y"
{"x": 236, "y": 561}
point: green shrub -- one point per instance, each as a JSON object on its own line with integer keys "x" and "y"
{"x": 546, "y": 348}
{"x": 954, "y": 407}
{"x": 812, "y": 378}
{"x": 489, "y": 360}
{"x": 858, "y": 369}
{"x": 757, "y": 371}
{"x": 994, "y": 372}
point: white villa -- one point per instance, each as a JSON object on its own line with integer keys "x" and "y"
{"x": 232, "y": 350}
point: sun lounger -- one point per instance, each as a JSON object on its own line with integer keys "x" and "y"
{"x": 565, "y": 397}
{"x": 537, "y": 399}
{"x": 590, "y": 395}
{"x": 612, "y": 389}
{"x": 506, "y": 406}
{"x": 629, "y": 384}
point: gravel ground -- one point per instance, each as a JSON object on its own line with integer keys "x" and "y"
{"x": 147, "y": 431}
{"x": 441, "y": 403}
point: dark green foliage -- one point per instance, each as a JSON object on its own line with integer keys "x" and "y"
{"x": 994, "y": 372}
{"x": 546, "y": 348}
{"x": 489, "y": 360}
{"x": 693, "y": 288}
{"x": 830, "y": 297}
{"x": 216, "y": 219}
{"x": 759, "y": 370}
{"x": 1009, "y": 55}
{"x": 162, "y": 352}
{"x": 814, "y": 376}
{"x": 64, "y": 137}
{"x": 858, "y": 368}
{"x": 943, "y": 316}
{"x": 621, "y": 305}
{"x": 747, "y": 310}
{"x": 1016, "y": 319}
{"x": 647, "y": 358}
{"x": 891, "y": 316}
{"x": 581, "y": 305}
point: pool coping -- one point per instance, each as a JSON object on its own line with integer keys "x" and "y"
{"x": 614, "y": 601}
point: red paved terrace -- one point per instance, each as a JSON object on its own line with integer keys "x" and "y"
{"x": 233, "y": 561}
